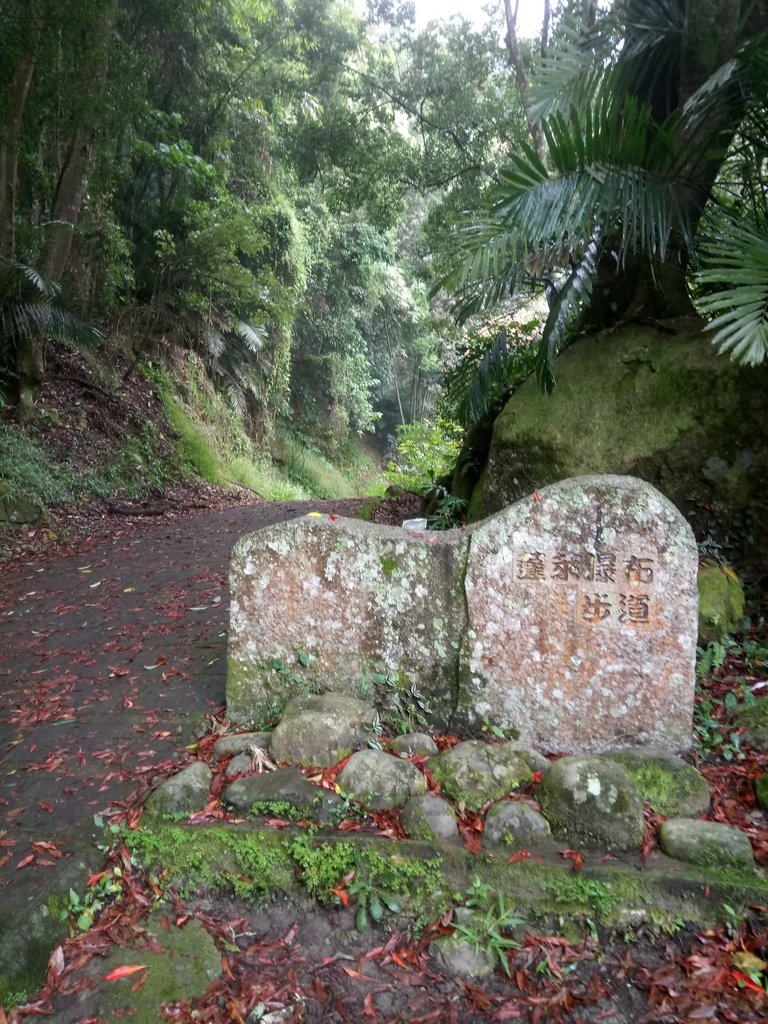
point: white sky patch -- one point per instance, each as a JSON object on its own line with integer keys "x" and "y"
{"x": 529, "y": 16}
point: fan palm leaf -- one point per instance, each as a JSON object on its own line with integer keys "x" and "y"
{"x": 737, "y": 266}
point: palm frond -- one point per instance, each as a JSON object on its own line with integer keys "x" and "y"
{"x": 26, "y": 319}
{"x": 252, "y": 334}
{"x": 490, "y": 378}
{"x": 42, "y": 285}
{"x": 235, "y": 399}
{"x": 572, "y": 299}
{"x": 214, "y": 340}
{"x": 573, "y": 68}
{"x": 737, "y": 265}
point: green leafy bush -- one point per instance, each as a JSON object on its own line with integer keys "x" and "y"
{"x": 424, "y": 450}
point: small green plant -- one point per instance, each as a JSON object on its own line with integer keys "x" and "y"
{"x": 275, "y": 809}
{"x": 710, "y": 716}
{"x": 81, "y": 911}
{"x": 499, "y": 732}
{"x": 372, "y": 899}
{"x": 450, "y": 511}
{"x": 403, "y": 707}
{"x": 710, "y": 657}
{"x": 487, "y": 929}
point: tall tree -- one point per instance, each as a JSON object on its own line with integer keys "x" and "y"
{"x": 639, "y": 106}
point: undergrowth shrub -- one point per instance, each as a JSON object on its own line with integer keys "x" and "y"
{"x": 424, "y": 451}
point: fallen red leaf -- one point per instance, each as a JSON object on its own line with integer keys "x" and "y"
{"x": 520, "y": 855}
{"x": 25, "y": 860}
{"x": 343, "y": 896}
{"x": 574, "y": 856}
{"x": 124, "y": 972}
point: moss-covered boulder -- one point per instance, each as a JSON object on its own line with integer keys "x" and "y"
{"x": 721, "y": 601}
{"x": 593, "y": 802}
{"x": 476, "y": 773}
{"x": 184, "y": 793}
{"x": 429, "y": 817}
{"x": 380, "y": 781}
{"x": 706, "y": 842}
{"x": 515, "y": 825}
{"x": 662, "y": 406}
{"x": 320, "y": 729}
{"x": 17, "y": 509}
{"x": 666, "y": 782}
{"x": 285, "y": 793}
{"x": 752, "y": 719}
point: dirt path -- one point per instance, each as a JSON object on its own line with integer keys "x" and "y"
{"x": 110, "y": 660}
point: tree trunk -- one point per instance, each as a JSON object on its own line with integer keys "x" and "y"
{"x": 66, "y": 206}
{"x": 30, "y": 373}
{"x": 9, "y": 150}
{"x": 65, "y": 211}
{"x": 516, "y": 62}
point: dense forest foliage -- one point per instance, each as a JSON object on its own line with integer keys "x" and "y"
{"x": 264, "y": 183}
{"x": 308, "y": 199}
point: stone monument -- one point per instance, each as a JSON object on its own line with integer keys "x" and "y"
{"x": 569, "y": 616}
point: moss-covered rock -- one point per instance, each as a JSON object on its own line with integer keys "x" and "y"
{"x": 721, "y": 601}
{"x": 666, "y": 782}
{"x": 664, "y": 407}
{"x": 414, "y": 743}
{"x": 17, "y": 509}
{"x": 706, "y": 842}
{"x": 320, "y": 729}
{"x": 592, "y": 802}
{"x": 283, "y": 793}
{"x": 380, "y": 781}
{"x": 429, "y": 818}
{"x": 515, "y": 825}
{"x": 752, "y": 719}
{"x": 476, "y": 773}
{"x": 178, "y": 964}
{"x": 184, "y": 793}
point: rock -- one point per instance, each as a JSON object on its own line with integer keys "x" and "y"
{"x": 180, "y": 965}
{"x": 32, "y": 923}
{"x": 752, "y": 719}
{"x": 721, "y": 601}
{"x": 582, "y": 618}
{"x": 666, "y": 408}
{"x": 17, "y": 509}
{"x": 515, "y": 825}
{"x": 666, "y": 782}
{"x": 761, "y": 791}
{"x": 476, "y": 773}
{"x": 592, "y": 802}
{"x": 570, "y": 616}
{"x": 352, "y": 598}
{"x": 706, "y": 842}
{"x": 282, "y": 791}
{"x": 240, "y": 764}
{"x": 428, "y": 817}
{"x": 535, "y": 761}
{"x": 182, "y": 794}
{"x": 321, "y": 729}
{"x": 414, "y": 743}
{"x": 380, "y": 781}
{"x": 462, "y": 958}
{"x": 241, "y": 742}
